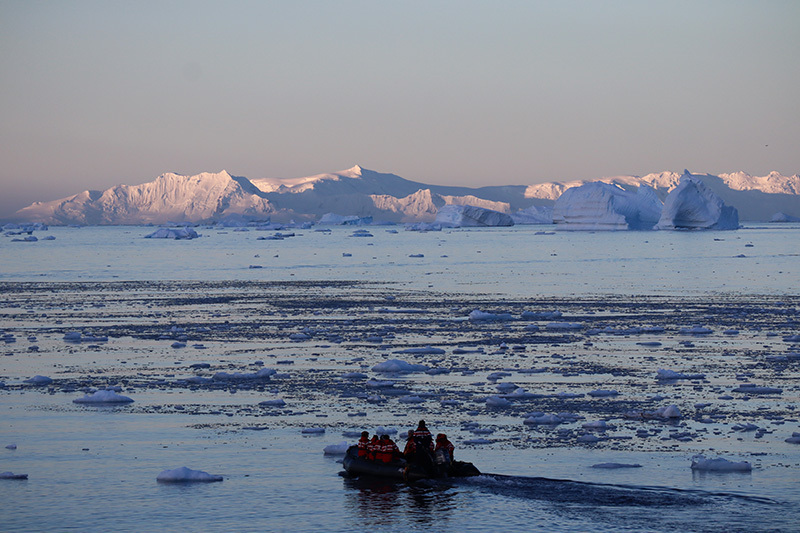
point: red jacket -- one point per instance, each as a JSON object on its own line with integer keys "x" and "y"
{"x": 386, "y": 451}
{"x": 447, "y": 446}
{"x": 363, "y": 444}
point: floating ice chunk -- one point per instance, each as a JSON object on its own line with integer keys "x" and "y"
{"x": 173, "y": 233}
{"x": 336, "y": 449}
{"x": 597, "y": 424}
{"x": 497, "y": 402}
{"x": 354, "y": 375}
{"x": 425, "y": 350}
{"x": 750, "y": 388}
{"x": 380, "y": 383}
{"x": 72, "y": 336}
{"x": 616, "y": 465}
{"x": 38, "y": 380}
{"x": 568, "y": 395}
{"x": 186, "y": 475}
{"x": 603, "y": 393}
{"x": 12, "y": 475}
{"x": 695, "y": 330}
{"x": 479, "y": 316}
{"x": 670, "y": 411}
{"x": 664, "y": 374}
{"x": 588, "y": 438}
{"x": 398, "y": 366}
{"x": 478, "y": 441}
{"x": 103, "y": 396}
{"x": 794, "y": 439}
{"x": 699, "y": 462}
{"x": 277, "y": 402}
{"x": 543, "y": 420}
{"x": 11, "y": 447}
{"x": 264, "y": 373}
{"x": 312, "y": 431}
{"x": 410, "y": 399}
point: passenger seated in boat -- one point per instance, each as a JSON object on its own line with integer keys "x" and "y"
{"x": 422, "y": 436}
{"x": 387, "y": 450}
{"x": 443, "y": 454}
{"x": 373, "y": 448}
{"x": 411, "y": 446}
{"x": 363, "y": 444}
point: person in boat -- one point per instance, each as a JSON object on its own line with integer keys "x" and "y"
{"x": 443, "y": 453}
{"x": 387, "y": 450}
{"x": 411, "y": 446}
{"x": 373, "y": 448}
{"x": 422, "y": 436}
{"x": 363, "y": 444}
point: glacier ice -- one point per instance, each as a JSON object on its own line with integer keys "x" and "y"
{"x": 693, "y": 205}
{"x": 601, "y": 206}
{"x": 185, "y": 475}
{"x": 456, "y": 216}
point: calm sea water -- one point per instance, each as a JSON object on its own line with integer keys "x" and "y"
{"x": 94, "y": 468}
{"x": 519, "y": 260}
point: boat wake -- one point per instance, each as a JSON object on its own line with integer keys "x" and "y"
{"x": 600, "y": 494}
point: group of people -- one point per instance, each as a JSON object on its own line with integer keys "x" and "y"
{"x": 420, "y": 448}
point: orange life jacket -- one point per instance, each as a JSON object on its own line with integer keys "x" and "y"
{"x": 363, "y": 443}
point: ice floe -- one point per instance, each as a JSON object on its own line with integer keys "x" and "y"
{"x": 750, "y": 388}
{"x": 186, "y": 475}
{"x": 12, "y": 475}
{"x": 264, "y": 373}
{"x": 336, "y": 449}
{"x": 396, "y": 366}
{"x": 478, "y": 316}
{"x": 699, "y": 462}
{"x": 173, "y": 233}
{"x": 103, "y": 397}
{"x": 610, "y": 466}
{"x": 38, "y": 380}
{"x": 665, "y": 375}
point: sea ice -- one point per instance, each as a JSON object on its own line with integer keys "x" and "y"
{"x": 38, "y": 380}
{"x": 477, "y": 316}
{"x": 665, "y": 375}
{"x": 603, "y": 393}
{"x": 564, "y": 325}
{"x": 398, "y": 366}
{"x": 103, "y": 396}
{"x": 173, "y": 233}
{"x": 616, "y": 465}
{"x": 699, "y": 462}
{"x": 264, "y": 373}
{"x": 185, "y": 475}
{"x": 497, "y": 402}
{"x": 312, "y": 431}
{"x": 750, "y": 388}
{"x": 277, "y": 402}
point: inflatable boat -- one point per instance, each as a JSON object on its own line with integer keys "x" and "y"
{"x": 403, "y": 470}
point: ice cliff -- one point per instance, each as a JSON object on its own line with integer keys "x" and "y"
{"x": 693, "y": 205}
{"x": 603, "y": 206}
{"x": 456, "y": 216}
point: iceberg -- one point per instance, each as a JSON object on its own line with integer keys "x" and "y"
{"x": 173, "y": 233}
{"x": 693, "y": 205}
{"x": 780, "y": 216}
{"x": 601, "y": 206}
{"x": 457, "y": 216}
{"x": 535, "y": 214}
{"x": 103, "y": 397}
{"x": 699, "y": 462}
{"x": 186, "y": 475}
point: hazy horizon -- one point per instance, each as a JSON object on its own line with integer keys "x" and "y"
{"x": 454, "y": 93}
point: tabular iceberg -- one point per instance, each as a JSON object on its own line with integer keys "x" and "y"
{"x": 601, "y": 206}
{"x": 456, "y": 216}
{"x": 692, "y": 205}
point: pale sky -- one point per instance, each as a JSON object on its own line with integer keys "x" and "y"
{"x": 98, "y": 93}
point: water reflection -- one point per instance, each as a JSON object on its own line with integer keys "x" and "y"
{"x": 380, "y": 502}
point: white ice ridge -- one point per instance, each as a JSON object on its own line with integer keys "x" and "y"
{"x": 185, "y": 475}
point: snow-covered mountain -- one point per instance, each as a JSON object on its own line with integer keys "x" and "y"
{"x": 358, "y": 191}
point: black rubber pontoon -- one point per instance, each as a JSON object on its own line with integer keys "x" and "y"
{"x": 401, "y": 469}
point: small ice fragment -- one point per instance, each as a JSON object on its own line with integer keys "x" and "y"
{"x": 186, "y": 475}
{"x": 602, "y": 393}
{"x": 497, "y": 402}
{"x": 588, "y": 438}
{"x": 312, "y": 431}
{"x": 38, "y": 380}
{"x": 278, "y": 402}
{"x": 597, "y": 424}
{"x": 11, "y": 447}
{"x": 336, "y": 449}
{"x": 12, "y": 475}
{"x": 616, "y": 465}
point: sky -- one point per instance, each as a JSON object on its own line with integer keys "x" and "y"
{"x": 472, "y": 93}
